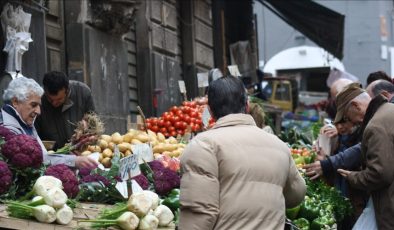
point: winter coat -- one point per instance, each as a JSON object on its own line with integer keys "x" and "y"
{"x": 56, "y": 124}
{"x": 13, "y": 125}
{"x": 377, "y": 175}
{"x": 237, "y": 176}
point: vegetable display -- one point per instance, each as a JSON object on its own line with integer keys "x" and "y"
{"x": 67, "y": 177}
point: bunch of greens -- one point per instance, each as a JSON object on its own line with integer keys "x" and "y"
{"x": 301, "y": 136}
{"x": 99, "y": 185}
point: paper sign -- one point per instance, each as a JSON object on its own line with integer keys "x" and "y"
{"x": 202, "y": 80}
{"x": 206, "y": 116}
{"x": 234, "y": 71}
{"x": 182, "y": 86}
{"x": 129, "y": 167}
{"x": 144, "y": 153}
{"x": 122, "y": 188}
{"x": 135, "y": 187}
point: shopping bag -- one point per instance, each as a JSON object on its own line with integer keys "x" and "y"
{"x": 367, "y": 220}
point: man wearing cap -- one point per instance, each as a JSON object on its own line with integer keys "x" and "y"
{"x": 377, "y": 175}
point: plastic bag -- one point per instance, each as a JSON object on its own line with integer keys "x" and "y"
{"x": 367, "y": 220}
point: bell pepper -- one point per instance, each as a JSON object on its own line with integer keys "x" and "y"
{"x": 322, "y": 222}
{"x": 292, "y": 213}
{"x": 172, "y": 200}
{"x": 302, "y": 223}
{"x": 309, "y": 209}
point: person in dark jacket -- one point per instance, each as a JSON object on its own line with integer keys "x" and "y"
{"x": 64, "y": 103}
{"x": 377, "y": 174}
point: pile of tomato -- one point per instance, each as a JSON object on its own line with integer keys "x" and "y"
{"x": 178, "y": 119}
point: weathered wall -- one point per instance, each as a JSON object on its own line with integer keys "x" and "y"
{"x": 100, "y": 60}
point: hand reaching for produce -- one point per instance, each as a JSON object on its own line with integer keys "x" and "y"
{"x": 313, "y": 170}
{"x": 329, "y": 130}
{"x": 85, "y": 162}
{"x": 344, "y": 173}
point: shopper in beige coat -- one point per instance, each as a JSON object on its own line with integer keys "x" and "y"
{"x": 236, "y": 176}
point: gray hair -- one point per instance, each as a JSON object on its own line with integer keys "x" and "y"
{"x": 21, "y": 88}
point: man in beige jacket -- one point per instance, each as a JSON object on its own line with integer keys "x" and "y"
{"x": 236, "y": 176}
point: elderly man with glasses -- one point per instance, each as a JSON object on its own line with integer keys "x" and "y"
{"x": 377, "y": 174}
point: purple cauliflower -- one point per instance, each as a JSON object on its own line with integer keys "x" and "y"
{"x": 96, "y": 178}
{"x": 84, "y": 172}
{"x": 142, "y": 181}
{"x": 6, "y": 133}
{"x": 23, "y": 151}
{"x": 165, "y": 180}
{"x": 156, "y": 165}
{"x": 67, "y": 176}
{"x": 5, "y": 177}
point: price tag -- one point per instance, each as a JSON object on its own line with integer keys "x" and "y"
{"x": 135, "y": 187}
{"x": 144, "y": 153}
{"x": 182, "y": 86}
{"x": 129, "y": 167}
{"x": 206, "y": 116}
{"x": 122, "y": 188}
{"x": 234, "y": 71}
{"x": 202, "y": 80}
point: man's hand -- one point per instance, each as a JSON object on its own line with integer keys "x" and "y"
{"x": 344, "y": 173}
{"x": 313, "y": 170}
{"x": 329, "y": 130}
{"x": 85, "y": 162}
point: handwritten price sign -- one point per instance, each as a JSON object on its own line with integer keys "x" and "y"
{"x": 129, "y": 167}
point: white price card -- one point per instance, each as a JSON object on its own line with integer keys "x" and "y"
{"x": 122, "y": 188}
{"x": 129, "y": 167}
{"x": 182, "y": 86}
{"x": 202, "y": 80}
{"x": 144, "y": 153}
{"x": 234, "y": 71}
{"x": 135, "y": 187}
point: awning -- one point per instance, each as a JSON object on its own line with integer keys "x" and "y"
{"x": 320, "y": 24}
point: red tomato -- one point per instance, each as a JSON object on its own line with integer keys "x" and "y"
{"x": 171, "y": 128}
{"x": 179, "y": 113}
{"x": 193, "y": 120}
{"x": 186, "y": 118}
{"x": 184, "y": 125}
{"x": 160, "y": 123}
{"x": 186, "y": 109}
{"x": 181, "y": 132}
{"x": 154, "y": 121}
{"x": 178, "y": 125}
{"x": 155, "y": 128}
{"x": 167, "y": 117}
{"x": 166, "y": 134}
{"x": 173, "y": 133}
{"x": 167, "y": 124}
{"x": 198, "y": 121}
{"x": 185, "y": 103}
{"x": 193, "y": 114}
{"x": 163, "y": 130}
{"x": 174, "y": 109}
{"x": 148, "y": 125}
{"x": 192, "y": 104}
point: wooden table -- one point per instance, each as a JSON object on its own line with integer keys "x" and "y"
{"x": 83, "y": 212}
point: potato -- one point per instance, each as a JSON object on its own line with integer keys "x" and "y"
{"x": 170, "y": 147}
{"x": 86, "y": 153}
{"x": 106, "y": 162}
{"x": 159, "y": 148}
{"x": 128, "y": 137}
{"x": 111, "y": 145}
{"x": 143, "y": 137}
{"x": 134, "y": 132}
{"x": 172, "y": 140}
{"x": 175, "y": 153}
{"x": 94, "y": 148}
{"x": 107, "y": 153}
{"x": 106, "y": 138}
{"x": 127, "y": 153}
{"x": 102, "y": 143}
{"x": 117, "y": 138}
{"x": 124, "y": 146}
{"x": 136, "y": 142}
{"x": 161, "y": 137}
{"x": 152, "y": 136}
